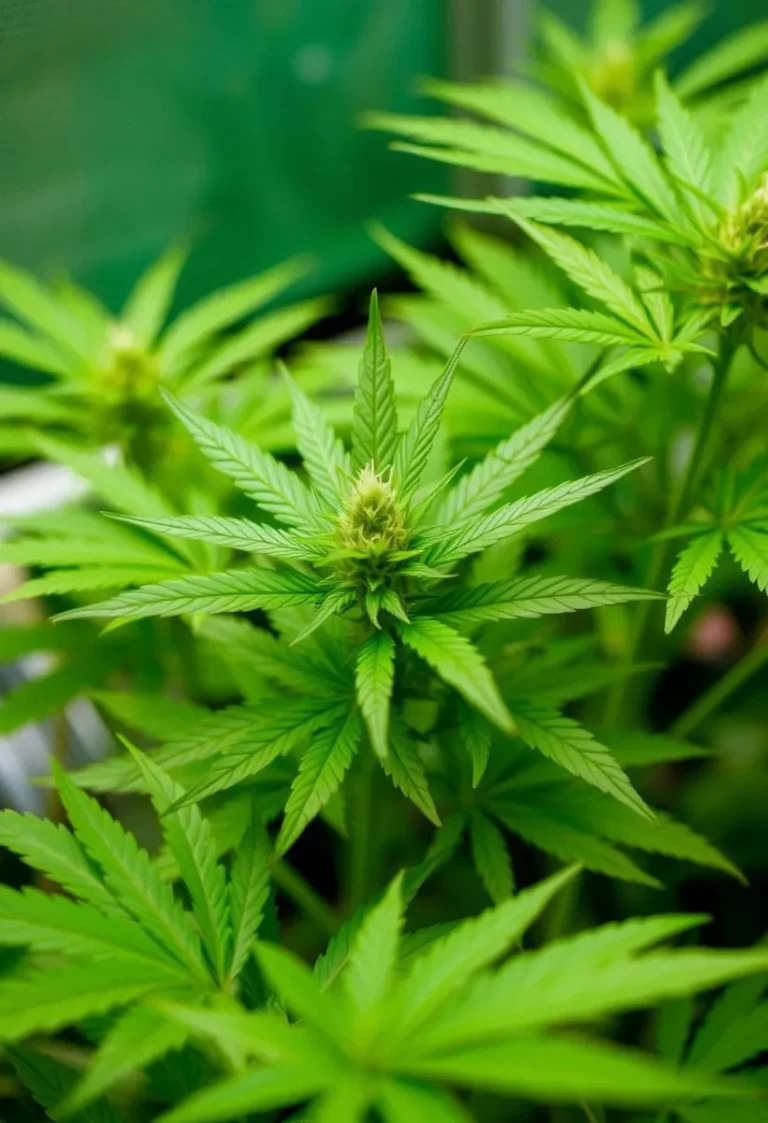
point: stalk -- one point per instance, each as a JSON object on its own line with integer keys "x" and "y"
{"x": 747, "y": 666}
{"x": 659, "y": 561}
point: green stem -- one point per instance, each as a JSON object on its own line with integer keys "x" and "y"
{"x": 292, "y": 883}
{"x": 360, "y": 831}
{"x": 659, "y": 562}
{"x": 692, "y": 718}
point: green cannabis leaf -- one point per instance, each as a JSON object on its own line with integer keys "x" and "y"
{"x": 537, "y": 128}
{"x": 448, "y": 1015}
{"x": 733, "y": 511}
{"x": 376, "y": 546}
{"x": 126, "y": 940}
{"x": 105, "y": 371}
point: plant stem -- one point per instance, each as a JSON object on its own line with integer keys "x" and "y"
{"x": 659, "y": 561}
{"x": 747, "y": 666}
{"x": 360, "y": 832}
{"x": 292, "y": 883}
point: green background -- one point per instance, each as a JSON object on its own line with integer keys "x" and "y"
{"x": 125, "y": 125}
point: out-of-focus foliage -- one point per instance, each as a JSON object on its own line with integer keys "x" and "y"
{"x": 105, "y": 371}
{"x": 350, "y": 634}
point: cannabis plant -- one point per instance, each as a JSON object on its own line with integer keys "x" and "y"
{"x": 619, "y": 52}
{"x": 104, "y": 371}
{"x": 384, "y": 633}
{"x": 704, "y": 250}
{"x": 366, "y": 544}
{"x": 386, "y": 1021}
{"x": 358, "y": 696}
{"x": 539, "y": 130}
{"x": 105, "y": 376}
{"x": 688, "y": 226}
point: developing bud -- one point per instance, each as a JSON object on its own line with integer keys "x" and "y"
{"x": 373, "y": 521}
{"x": 372, "y": 539}
{"x": 129, "y": 372}
{"x": 613, "y": 76}
{"x": 745, "y": 231}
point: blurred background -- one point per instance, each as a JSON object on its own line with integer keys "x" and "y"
{"x": 128, "y": 124}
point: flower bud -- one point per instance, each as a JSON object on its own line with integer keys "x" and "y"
{"x": 745, "y": 231}
{"x": 373, "y": 520}
{"x": 613, "y": 75}
{"x": 128, "y": 373}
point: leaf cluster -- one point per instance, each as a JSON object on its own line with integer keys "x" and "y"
{"x": 387, "y": 1020}
{"x": 104, "y": 371}
{"x": 378, "y": 559}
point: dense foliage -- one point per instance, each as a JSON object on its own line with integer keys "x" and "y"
{"x": 380, "y": 645}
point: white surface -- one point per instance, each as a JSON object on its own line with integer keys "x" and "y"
{"x": 26, "y": 491}
{"x": 38, "y": 487}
